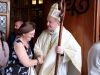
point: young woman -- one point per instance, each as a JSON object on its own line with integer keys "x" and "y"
{"x": 21, "y": 55}
{"x": 4, "y": 53}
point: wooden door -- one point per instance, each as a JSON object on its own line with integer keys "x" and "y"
{"x": 97, "y": 20}
{"x": 34, "y": 13}
{"x": 37, "y": 17}
{"x": 15, "y": 13}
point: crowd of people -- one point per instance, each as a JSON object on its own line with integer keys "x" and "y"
{"x": 16, "y": 54}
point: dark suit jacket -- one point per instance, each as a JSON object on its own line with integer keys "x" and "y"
{"x": 11, "y": 39}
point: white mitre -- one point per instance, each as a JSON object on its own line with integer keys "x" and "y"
{"x": 54, "y": 11}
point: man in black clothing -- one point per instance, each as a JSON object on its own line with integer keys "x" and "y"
{"x": 13, "y": 35}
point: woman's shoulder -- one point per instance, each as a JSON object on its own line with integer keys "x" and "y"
{"x": 17, "y": 41}
{"x": 5, "y": 43}
{"x": 6, "y": 47}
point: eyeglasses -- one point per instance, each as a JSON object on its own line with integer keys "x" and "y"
{"x": 32, "y": 34}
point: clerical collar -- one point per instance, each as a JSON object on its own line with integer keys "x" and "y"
{"x": 54, "y": 31}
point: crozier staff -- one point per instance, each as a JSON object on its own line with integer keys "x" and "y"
{"x": 62, "y": 7}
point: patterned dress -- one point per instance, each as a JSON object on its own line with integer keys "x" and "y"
{"x": 14, "y": 67}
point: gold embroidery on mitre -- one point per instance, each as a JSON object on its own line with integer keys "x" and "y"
{"x": 54, "y": 12}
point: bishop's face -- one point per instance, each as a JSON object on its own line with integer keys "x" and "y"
{"x": 52, "y": 23}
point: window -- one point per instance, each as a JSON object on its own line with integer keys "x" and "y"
{"x": 4, "y": 17}
{"x": 33, "y": 2}
{"x": 40, "y": 2}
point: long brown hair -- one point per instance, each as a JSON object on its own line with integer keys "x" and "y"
{"x": 2, "y": 39}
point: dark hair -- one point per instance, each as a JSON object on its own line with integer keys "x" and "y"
{"x": 2, "y": 39}
{"x": 25, "y": 28}
{"x": 21, "y": 22}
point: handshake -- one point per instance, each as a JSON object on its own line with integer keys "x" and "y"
{"x": 39, "y": 60}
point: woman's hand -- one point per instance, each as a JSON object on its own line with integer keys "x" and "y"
{"x": 40, "y": 59}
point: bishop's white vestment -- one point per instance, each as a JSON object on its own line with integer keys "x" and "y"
{"x": 69, "y": 64}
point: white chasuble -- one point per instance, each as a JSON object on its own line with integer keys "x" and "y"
{"x": 71, "y": 61}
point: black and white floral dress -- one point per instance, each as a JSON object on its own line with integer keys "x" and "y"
{"x": 14, "y": 67}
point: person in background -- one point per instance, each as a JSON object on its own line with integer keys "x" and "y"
{"x": 47, "y": 47}
{"x": 93, "y": 60}
{"x": 12, "y": 35}
{"x": 4, "y": 53}
{"x": 20, "y": 58}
